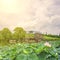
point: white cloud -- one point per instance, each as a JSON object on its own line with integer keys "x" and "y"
{"x": 40, "y": 15}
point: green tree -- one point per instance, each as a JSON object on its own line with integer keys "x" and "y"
{"x": 6, "y": 34}
{"x": 19, "y": 34}
{"x": 1, "y": 38}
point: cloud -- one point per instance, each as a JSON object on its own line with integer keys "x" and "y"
{"x": 49, "y": 17}
{"x": 39, "y": 15}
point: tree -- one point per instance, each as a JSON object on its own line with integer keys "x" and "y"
{"x": 6, "y": 33}
{"x": 1, "y": 37}
{"x": 19, "y": 34}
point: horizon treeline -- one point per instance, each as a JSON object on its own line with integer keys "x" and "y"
{"x": 17, "y": 34}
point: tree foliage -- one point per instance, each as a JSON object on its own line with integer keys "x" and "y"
{"x": 6, "y": 33}
{"x": 19, "y": 33}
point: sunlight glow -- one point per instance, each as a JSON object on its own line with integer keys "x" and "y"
{"x": 12, "y": 6}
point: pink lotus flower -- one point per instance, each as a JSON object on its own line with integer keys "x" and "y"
{"x": 47, "y": 44}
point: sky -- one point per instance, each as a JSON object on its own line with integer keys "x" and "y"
{"x": 36, "y": 15}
